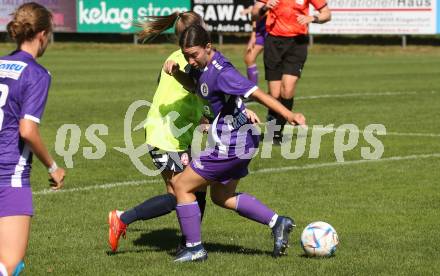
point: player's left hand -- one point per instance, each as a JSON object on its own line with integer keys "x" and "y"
{"x": 296, "y": 119}
{"x": 57, "y": 179}
{"x": 304, "y": 19}
{"x": 252, "y": 116}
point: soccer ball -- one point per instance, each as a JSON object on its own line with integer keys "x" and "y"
{"x": 319, "y": 239}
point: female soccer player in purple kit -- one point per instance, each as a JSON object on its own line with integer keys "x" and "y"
{"x": 24, "y": 86}
{"x": 235, "y": 140}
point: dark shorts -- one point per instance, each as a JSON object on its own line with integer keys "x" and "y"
{"x": 16, "y": 201}
{"x": 171, "y": 161}
{"x": 284, "y": 56}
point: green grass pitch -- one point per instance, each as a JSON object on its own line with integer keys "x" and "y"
{"x": 386, "y": 212}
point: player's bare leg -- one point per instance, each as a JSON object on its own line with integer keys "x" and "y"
{"x": 14, "y": 235}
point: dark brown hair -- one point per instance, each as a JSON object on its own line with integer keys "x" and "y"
{"x": 28, "y": 20}
{"x": 194, "y": 35}
{"x": 152, "y": 26}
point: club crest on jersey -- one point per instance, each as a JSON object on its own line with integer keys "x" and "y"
{"x": 204, "y": 89}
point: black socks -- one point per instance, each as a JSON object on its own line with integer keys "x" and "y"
{"x": 271, "y": 115}
{"x": 151, "y": 208}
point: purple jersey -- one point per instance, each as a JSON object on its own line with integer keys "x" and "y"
{"x": 223, "y": 86}
{"x": 24, "y": 86}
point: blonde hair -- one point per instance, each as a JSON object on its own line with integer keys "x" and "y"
{"x": 152, "y": 26}
{"x": 28, "y": 20}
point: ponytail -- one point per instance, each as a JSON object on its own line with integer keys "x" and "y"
{"x": 152, "y": 26}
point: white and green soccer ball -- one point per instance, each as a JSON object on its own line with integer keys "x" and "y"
{"x": 319, "y": 239}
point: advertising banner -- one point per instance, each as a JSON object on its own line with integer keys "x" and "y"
{"x": 63, "y": 13}
{"x": 225, "y": 15}
{"x": 118, "y": 16}
{"x": 381, "y": 17}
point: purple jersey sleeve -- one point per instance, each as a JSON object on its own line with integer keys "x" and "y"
{"x": 230, "y": 81}
{"x": 34, "y": 99}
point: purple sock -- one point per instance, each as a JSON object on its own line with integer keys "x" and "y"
{"x": 252, "y": 74}
{"x": 251, "y": 208}
{"x": 189, "y": 220}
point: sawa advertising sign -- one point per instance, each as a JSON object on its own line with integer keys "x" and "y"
{"x": 225, "y": 15}
{"x": 117, "y": 16}
{"x": 381, "y": 17}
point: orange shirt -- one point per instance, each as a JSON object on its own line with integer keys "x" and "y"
{"x": 282, "y": 20}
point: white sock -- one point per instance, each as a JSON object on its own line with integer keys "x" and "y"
{"x": 273, "y": 220}
{"x": 119, "y": 213}
{"x": 189, "y": 244}
{"x": 3, "y": 270}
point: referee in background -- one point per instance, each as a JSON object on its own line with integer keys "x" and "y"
{"x": 285, "y": 48}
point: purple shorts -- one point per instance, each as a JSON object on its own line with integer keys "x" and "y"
{"x": 16, "y": 201}
{"x": 260, "y": 38}
{"x": 222, "y": 170}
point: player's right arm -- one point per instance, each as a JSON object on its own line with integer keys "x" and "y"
{"x": 172, "y": 68}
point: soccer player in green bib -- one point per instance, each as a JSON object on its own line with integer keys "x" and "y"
{"x": 173, "y": 116}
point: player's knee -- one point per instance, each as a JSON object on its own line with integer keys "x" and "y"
{"x": 178, "y": 187}
{"x": 248, "y": 59}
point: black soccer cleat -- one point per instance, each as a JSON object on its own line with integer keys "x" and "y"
{"x": 181, "y": 245}
{"x": 192, "y": 254}
{"x": 280, "y": 233}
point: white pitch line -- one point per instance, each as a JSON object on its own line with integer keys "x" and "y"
{"x": 349, "y": 95}
{"x": 354, "y": 162}
{"x": 414, "y": 134}
{"x": 418, "y": 134}
{"x": 98, "y": 187}
{"x": 267, "y": 170}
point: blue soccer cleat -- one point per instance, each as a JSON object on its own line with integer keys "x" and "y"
{"x": 192, "y": 254}
{"x": 18, "y": 269}
{"x": 280, "y": 233}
